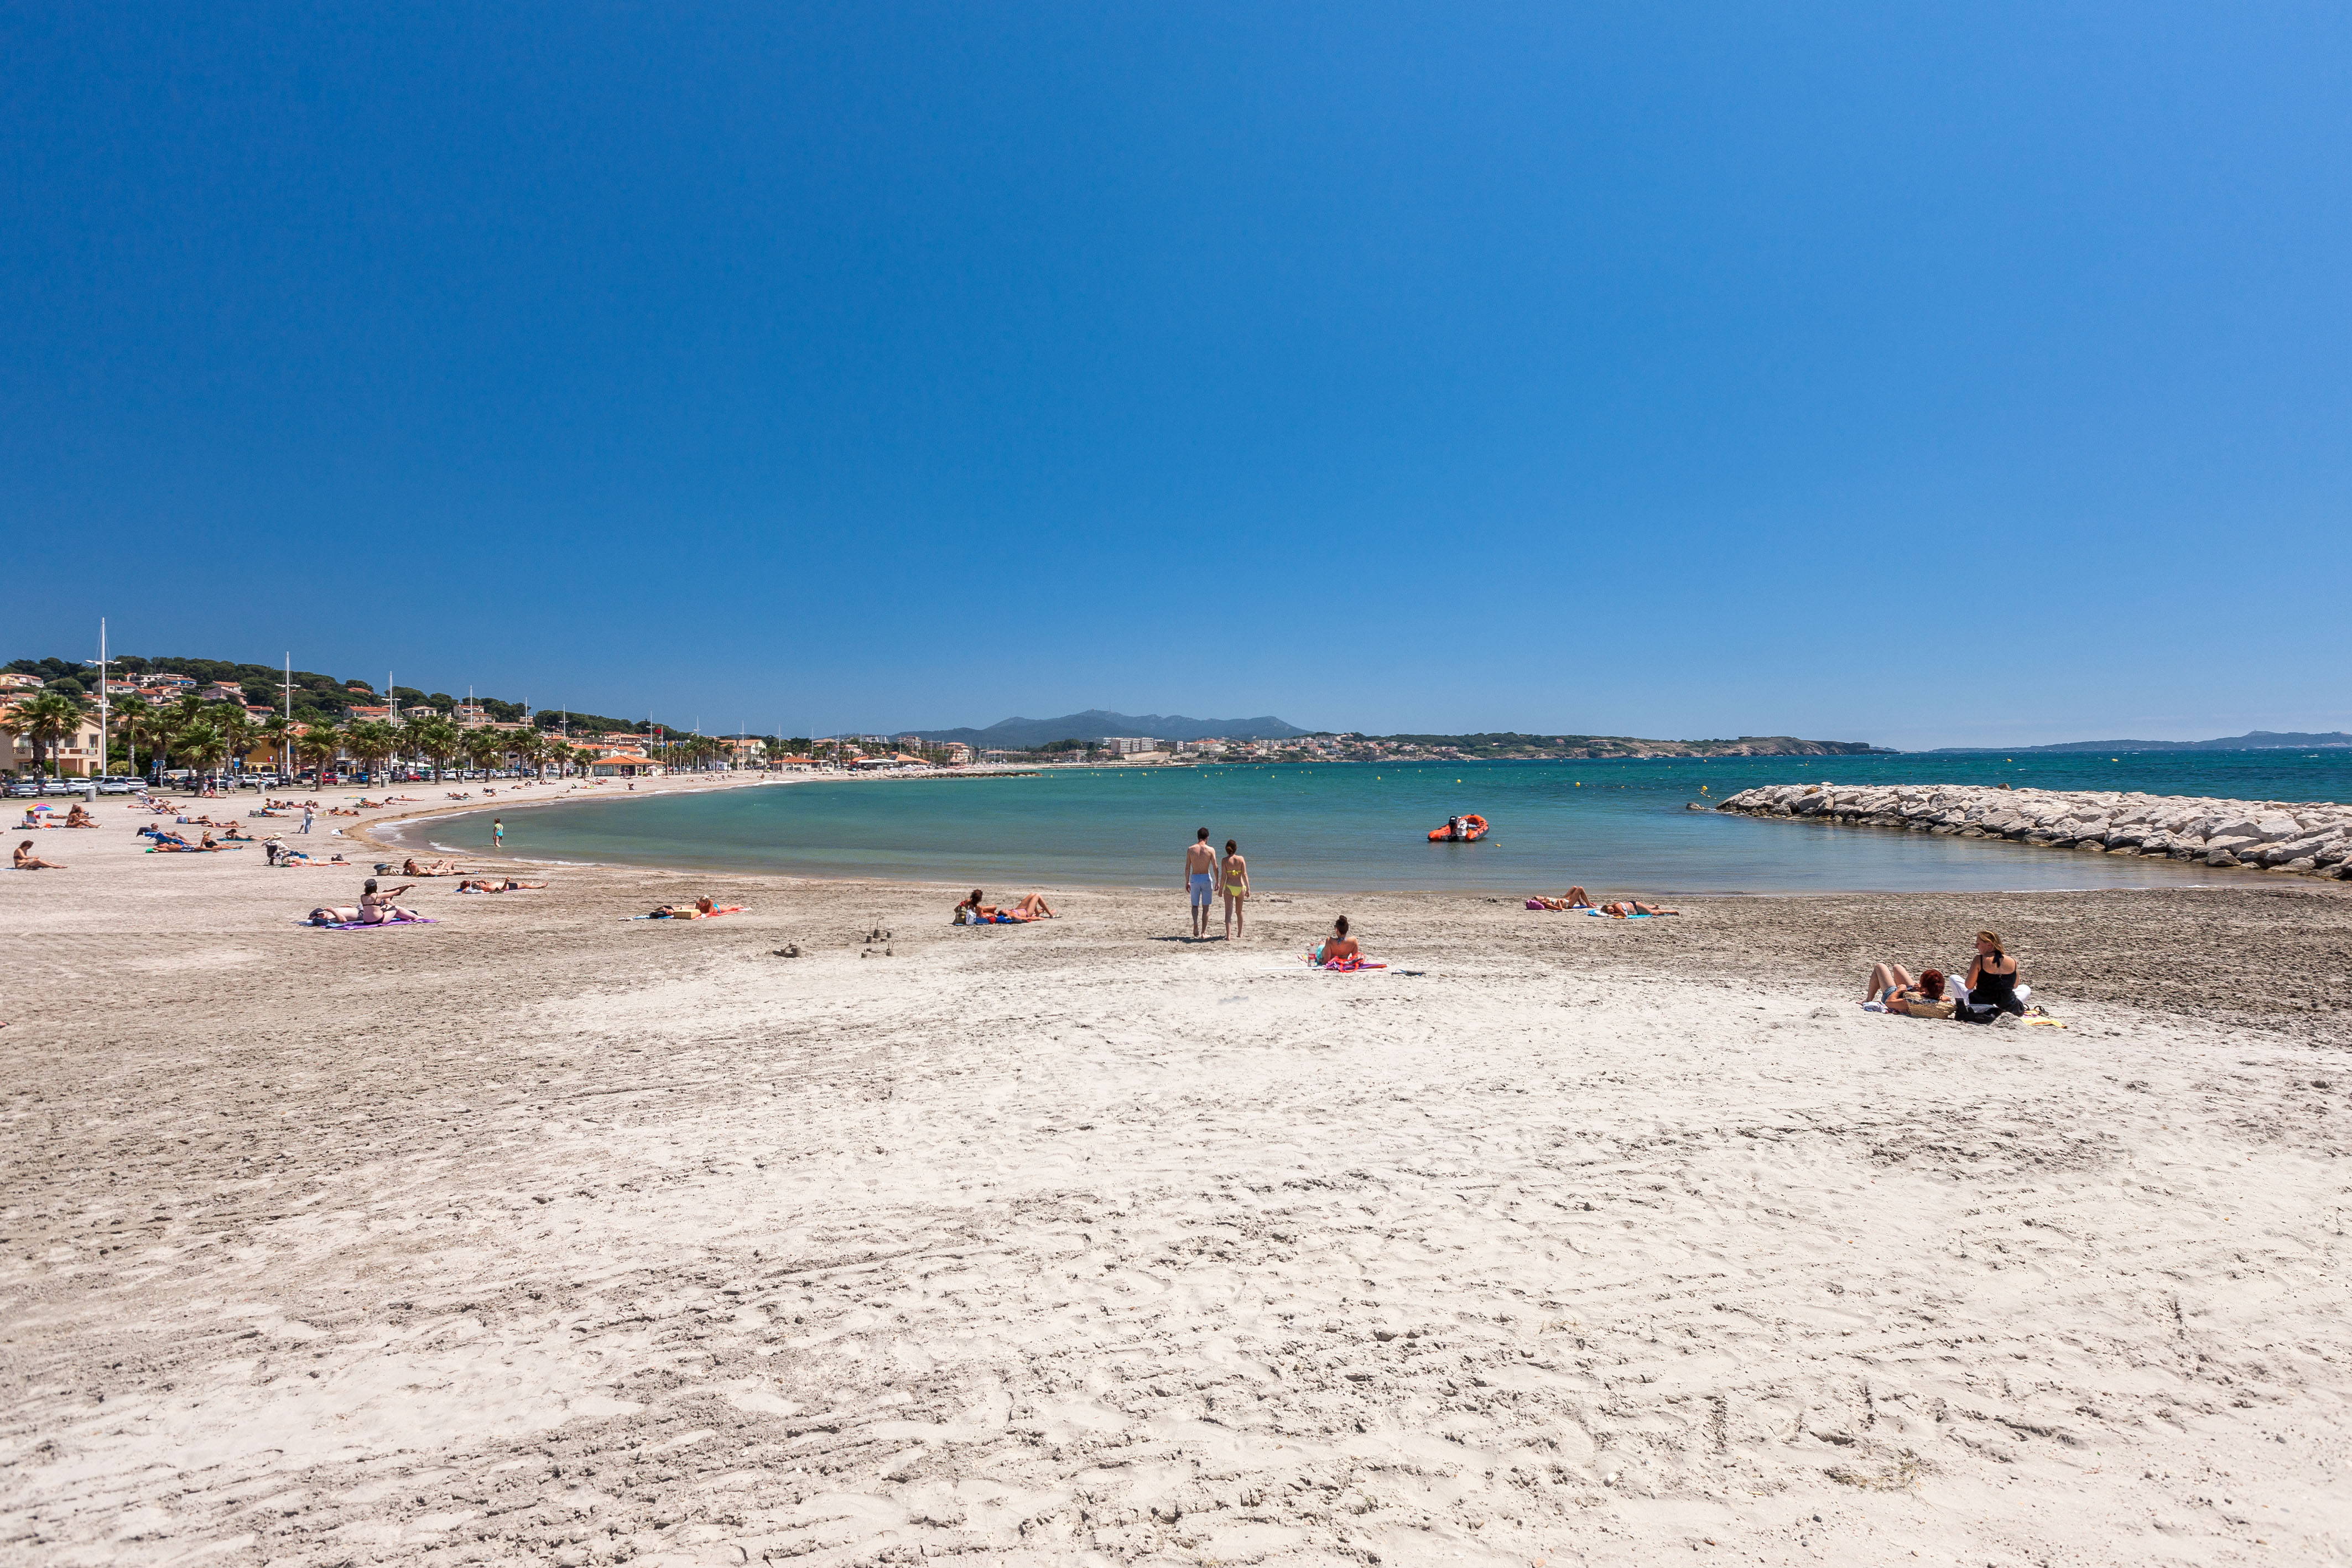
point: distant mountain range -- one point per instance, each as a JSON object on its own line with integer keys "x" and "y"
{"x": 1025, "y": 734}
{"x": 2253, "y": 740}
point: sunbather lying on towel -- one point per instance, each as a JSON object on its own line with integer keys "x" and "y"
{"x": 701, "y": 909}
{"x": 497, "y": 885}
{"x": 412, "y": 866}
{"x": 303, "y": 857}
{"x": 1892, "y": 989}
{"x": 334, "y": 914}
{"x": 1627, "y": 908}
{"x": 972, "y": 912}
{"x": 1574, "y": 899}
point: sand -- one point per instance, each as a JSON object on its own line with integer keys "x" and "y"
{"x": 536, "y": 1235}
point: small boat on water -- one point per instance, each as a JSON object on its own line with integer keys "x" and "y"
{"x": 1466, "y": 829}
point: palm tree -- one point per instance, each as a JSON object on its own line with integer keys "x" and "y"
{"x": 483, "y": 749}
{"x": 236, "y": 729}
{"x": 279, "y": 729}
{"x": 135, "y": 720}
{"x": 371, "y": 740}
{"x": 202, "y": 747}
{"x": 46, "y": 718}
{"x": 319, "y": 745}
{"x": 437, "y": 739}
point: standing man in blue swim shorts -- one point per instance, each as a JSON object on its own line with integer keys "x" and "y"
{"x": 1201, "y": 878}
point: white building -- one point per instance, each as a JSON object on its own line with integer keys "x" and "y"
{"x": 1127, "y": 744}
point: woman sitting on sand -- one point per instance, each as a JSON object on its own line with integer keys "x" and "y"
{"x": 27, "y": 860}
{"x": 497, "y": 885}
{"x": 378, "y": 908}
{"x": 1337, "y": 948}
{"x": 1992, "y": 978}
{"x": 80, "y": 817}
{"x": 1892, "y": 986}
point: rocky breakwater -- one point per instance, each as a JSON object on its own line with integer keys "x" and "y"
{"x": 2312, "y": 838}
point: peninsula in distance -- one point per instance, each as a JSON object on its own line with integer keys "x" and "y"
{"x": 1098, "y": 725}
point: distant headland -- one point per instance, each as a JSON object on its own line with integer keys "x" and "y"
{"x": 2253, "y": 740}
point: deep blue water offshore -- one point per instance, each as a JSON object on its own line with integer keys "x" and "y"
{"x": 1613, "y": 827}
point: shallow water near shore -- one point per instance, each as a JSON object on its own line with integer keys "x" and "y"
{"x": 1614, "y": 826}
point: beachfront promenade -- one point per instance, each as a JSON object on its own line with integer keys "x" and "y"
{"x": 539, "y": 1235}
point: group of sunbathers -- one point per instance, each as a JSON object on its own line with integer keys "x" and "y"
{"x": 972, "y": 912}
{"x": 1622, "y": 909}
{"x": 1991, "y": 988}
{"x": 78, "y": 817}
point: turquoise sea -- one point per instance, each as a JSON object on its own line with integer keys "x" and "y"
{"x": 1613, "y": 827}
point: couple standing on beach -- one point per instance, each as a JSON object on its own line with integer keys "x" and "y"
{"x": 1202, "y": 873}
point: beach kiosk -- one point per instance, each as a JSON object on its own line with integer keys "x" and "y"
{"x": 624, "y": 765}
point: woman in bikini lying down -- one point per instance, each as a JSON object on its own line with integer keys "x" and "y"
{"x": 1032, "y": 907}
{"x": 497, "y": 885}
{"x": 412, "y": 866}
{"x": 1575, "y": 899}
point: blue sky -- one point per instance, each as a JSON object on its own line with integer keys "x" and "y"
{"x": 1926, "y": 375}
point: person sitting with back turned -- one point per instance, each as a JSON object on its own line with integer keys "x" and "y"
{"x": 1992, "y": 980}
{"x": 1336, "y": 948}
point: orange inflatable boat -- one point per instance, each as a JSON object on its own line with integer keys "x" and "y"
{"x": 1459, "y": 830}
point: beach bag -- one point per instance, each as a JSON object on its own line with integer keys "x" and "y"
{"x": 1925, "y": 1009}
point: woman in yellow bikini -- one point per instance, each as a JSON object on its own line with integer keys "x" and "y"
{"x": 1236, "y": 871}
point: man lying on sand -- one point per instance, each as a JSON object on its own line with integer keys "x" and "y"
{"x": 497, "y": 885}
{"x": 701, "y": 909}
{"x": 27, "y": 860}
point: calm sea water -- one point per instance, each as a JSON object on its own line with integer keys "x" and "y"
{"x": 1613, "y": 827}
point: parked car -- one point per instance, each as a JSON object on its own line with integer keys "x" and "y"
{"x": 64, "y": 787}
{"x": 112, "y": 785}
{"x": 21, "y": 787}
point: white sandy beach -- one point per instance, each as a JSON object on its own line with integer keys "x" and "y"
{"x": 534, "y": 1236}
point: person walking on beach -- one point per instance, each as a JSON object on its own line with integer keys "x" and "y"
{"x": 306, "y": 816}
{"x": 1201, "y": 878}
{"x": 1234, "y": 874}
{"x": 497, "y": 833}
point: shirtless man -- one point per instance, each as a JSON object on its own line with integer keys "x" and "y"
{"x": 1201, "y": 878}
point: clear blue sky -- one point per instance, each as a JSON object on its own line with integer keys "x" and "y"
{"x": 1914, "y": 374}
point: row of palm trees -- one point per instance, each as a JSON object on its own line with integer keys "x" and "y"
{"x": 190, "y": 733}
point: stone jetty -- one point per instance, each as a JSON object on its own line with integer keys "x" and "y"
{"x": 2311, "y": 839}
